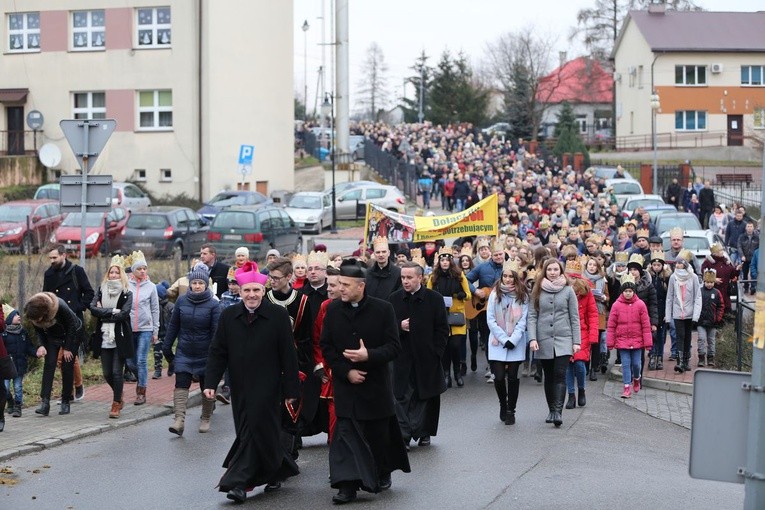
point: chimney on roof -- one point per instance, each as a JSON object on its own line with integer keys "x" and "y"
{"x": 562, "y": 56}
{"x": 657, "y": 7}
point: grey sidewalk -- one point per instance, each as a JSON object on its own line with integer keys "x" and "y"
{"x": 671, "y": 406}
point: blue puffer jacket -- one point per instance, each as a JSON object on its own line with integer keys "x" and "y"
{"x": 193, "y": 323}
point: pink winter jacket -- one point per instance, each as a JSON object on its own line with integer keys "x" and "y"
{"x": 629, "y": 326}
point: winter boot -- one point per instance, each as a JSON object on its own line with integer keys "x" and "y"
{"x": 604, "y": 362}
{"x": 686, "y": 361}
{"x": 512, "y": 399}
{"x": 140, "y": 395}
{"x": 582, "y": 400}
{"x": 627, "y": 393}
{"x": 207, "y": 410}
{"x": 702, "y": 360}
{"x": 594, "y": 367}
{"x": 44, "y": 408}
{"x": 711, "y": 360}
{"x": 679, "y": 367}
{"x": 501, "y": 389}
{"x": 571, "y": 404}
{"x": 560, "y": 396}
{"x": 660, "y": 363}
{"x": 16, "y": 410}
{"x": 114, "y": 412}
{"x": 65, "y": 408}
{"x": 652, "y": 362}
{"x": 180, "y": 399}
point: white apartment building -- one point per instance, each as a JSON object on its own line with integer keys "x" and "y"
{"x": 188, "y": 82}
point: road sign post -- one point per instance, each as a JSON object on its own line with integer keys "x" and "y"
{"x": 245, "y": 161}
{"x": 87, "y": 139}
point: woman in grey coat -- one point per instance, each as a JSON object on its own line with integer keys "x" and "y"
{"x": 553, "y": 331}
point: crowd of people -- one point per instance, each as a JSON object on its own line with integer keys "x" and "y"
{"x": 362, "y": 346}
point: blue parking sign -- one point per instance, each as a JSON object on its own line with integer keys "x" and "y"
{"x": 245, "y": 154}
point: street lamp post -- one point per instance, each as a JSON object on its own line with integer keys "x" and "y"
{"x": 306, "y": 26}
{"x": 327, "y": 110}
{"x": 655, "y": 105}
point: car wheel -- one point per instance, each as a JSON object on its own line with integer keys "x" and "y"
{"x": 26, "y": 245}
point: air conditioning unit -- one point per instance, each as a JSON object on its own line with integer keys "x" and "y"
{"x": 717, "y": 68}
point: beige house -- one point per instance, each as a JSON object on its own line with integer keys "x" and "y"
{"x": 708, "y": 69}
{"x": 188, "y": 82}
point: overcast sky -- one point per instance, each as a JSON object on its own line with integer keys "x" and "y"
{"x": 403, "y": 28}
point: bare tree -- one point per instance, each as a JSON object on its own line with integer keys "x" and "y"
{"x": 373, "y": 86}
{"x": 519, "y": 61}
{"x": 599, "y": 26}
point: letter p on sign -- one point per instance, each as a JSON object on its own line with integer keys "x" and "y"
{"x": 245, "y": 154}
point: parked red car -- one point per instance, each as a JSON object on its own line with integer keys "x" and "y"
{"x": 113, "y": 222}
{"x": 26, "y": 225}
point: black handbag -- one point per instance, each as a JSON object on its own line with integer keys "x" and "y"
{"x": 455, "y": 318}
{"x": 7, "y": 368}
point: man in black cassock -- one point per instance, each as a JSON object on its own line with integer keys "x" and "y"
{"x": 418, "y": 376}
{"x": 359, "y": 339}
{"x": 254, "y": 341}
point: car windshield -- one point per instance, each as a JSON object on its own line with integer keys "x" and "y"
{"x": 234, "y": 219}
{"x": 92, "y": 219}
{"x": 627, "y": 188}
{"x": 634, "y": 204}
{"x": 305, "y": 202}
{"x": 51, "y": 193}
{"x": 148, "y": 221}
{"x": 14, "y": 213}
{"x": 227, "y": 199}
{"x": 690, "y": 243}
{"x": 684, "y": 222}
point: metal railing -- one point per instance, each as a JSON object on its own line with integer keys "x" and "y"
{"x": 17, "y": 143}
{"x": 744, "y": 328}
{"x": 675, "y": 140}
{"x": 399, "y": 173}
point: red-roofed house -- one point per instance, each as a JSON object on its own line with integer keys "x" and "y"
{"x": 584, "y": 84}
{"x": 708, "y": 69}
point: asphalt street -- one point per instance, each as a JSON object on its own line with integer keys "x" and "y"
{"x": 606, "y": 455}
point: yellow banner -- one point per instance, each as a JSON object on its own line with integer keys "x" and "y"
{"x": 481, "y": 219}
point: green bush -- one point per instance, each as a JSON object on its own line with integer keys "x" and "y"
{"x": 726, "y": 357}
{"x": 18, "y": 192}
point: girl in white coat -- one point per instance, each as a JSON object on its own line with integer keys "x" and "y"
{"x": 506, "y": 314}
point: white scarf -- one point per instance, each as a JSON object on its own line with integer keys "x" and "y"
{"x": 110, "y": 293}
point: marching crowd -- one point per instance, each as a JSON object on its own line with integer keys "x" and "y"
{"x": 361, "y": 346}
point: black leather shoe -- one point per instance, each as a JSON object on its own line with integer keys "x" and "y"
{"x": 557, "y": 419}
{"x": 473, "y": 364}
{"x": 2, "y": 427}
{"x": 44, "y": 408}
{"x": 549, "y": 418}
{"x": 237, "y": 495}
{"x": 273, "y": 486}
{"x": 448, "y": 381}
{"x": 344, "y": 496}
{"x": 385, "y": 482}
{"x": 459, "y": 380}
{"x": 64, "y": 407}
{"x": 510, "y": 419}
{"x": 463, "y": 369}
{"x": 424, "y": 441}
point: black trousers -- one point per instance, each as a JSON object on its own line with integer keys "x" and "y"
{"x": 452, "y": 354}
{"x": 555, "y": 375}
{"x": 49, "y": 370}
{"x": 183, "y": 380}
{"x": 684, "y": 328}
{"x": 112, "y": 366}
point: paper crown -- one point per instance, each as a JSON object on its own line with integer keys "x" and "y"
{"x": 686, "y": 255}
{"x": 676, "y": 232}
{"x": 117, "y": 260}
{"x": 569, "y": 251}
{"x": 446, "y": 251}
{"x": 380, "y": 241}
{"x": 574, "y": 266}
{"x": 231, "y": 276}
{"x": 716, "y": 249}
{"x": 466, "y": 252}
{"x": 318, "y": 258}
{"x": 586, "y": 226}
{"x": 636, "y": 259}
{"x": 482, "y": 241}
{"x": 608, "y": 249}
{"x": 416, "y": 252}
{"x": 643, "y": 233}
{"x": 544, "y": 223}
{"x": 137, "y": 257}
{"x": 512, "y": 265}
{"x": 621, "y": 257}
{"x": 563, "y": 233}
{"x": 596, "y": 239}
{"x": 710, "y": 275}
{"x": 420, "y": 261}
{"x": 497, "y": 245}
{"x": 621, "y": 230}
{"x": 531, "y": 274}
{"x": 657, "y": 255}
{"x": 249, "y": 273}
{"x": 553, "y": 239}
{"x": 627, "y": 279}
{"x": 298, "y": 259}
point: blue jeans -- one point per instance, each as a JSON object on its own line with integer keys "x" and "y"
{"x": 18, "y": 393}
{"x": 631, "y": 361}
{"x": 659, "y": 338}
{"x": 575, "y": 369}
{"x": 602, "y": 343}
{"x": 426, "y": 199}
{"x": 460, "y": 204}
{"x": 141, "y": 342}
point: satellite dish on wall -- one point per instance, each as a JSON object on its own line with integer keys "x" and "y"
{"x": 49, "y": 155}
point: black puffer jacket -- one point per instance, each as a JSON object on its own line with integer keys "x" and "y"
{"x": 647, "y": 294}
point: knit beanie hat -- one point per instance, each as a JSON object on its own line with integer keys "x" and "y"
{"x": 200, "y": 272}
{"x": 242, "y": 250}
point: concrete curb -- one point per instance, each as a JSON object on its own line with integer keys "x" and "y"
{"x": 195, "y": 399}
{"x": 615, "y": 373}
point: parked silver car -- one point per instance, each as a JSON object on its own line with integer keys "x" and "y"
{"x": 388, "y": 197}
{"x": 311, "y": 210}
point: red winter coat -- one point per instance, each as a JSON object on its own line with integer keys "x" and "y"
{"x": 588, "y": 321}
{"x": 629, "y": 326}
{"x": 725, "y": 271}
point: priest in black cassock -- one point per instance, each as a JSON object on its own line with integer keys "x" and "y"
{"x": 359, "y": 339}
{"x": 418, "y": 375}
{"x": 254, "y": 341}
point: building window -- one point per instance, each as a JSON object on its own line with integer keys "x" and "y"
{"x": 88, "y": 30}
{"x": 155, "y": 110}
{"x": 640, "y": 77}
{"x": 154, "y": 27}
{"x": 753, "y": 75}
{"x": 759, "y": 118}
{"x": 140, "y": 174}
{"x": 690, "y": 120}
{"x": 165, "y": 175}
{"x": 690, "y": 75}
{"x": 89, "y": 105}
{"x": 581, "y": 121}
{"x": 24, "y": 32}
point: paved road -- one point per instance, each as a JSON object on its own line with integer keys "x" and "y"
{"x": 606, "y": 455}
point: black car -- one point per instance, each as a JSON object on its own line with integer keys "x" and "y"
{"x": 161, "y": 231}
{"x": 258, "y": 228}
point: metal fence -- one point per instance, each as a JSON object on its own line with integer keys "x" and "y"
{"x": 745, "y": 311}
{"x": 18, "y": 143}
{"x": 399, "y": 173}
